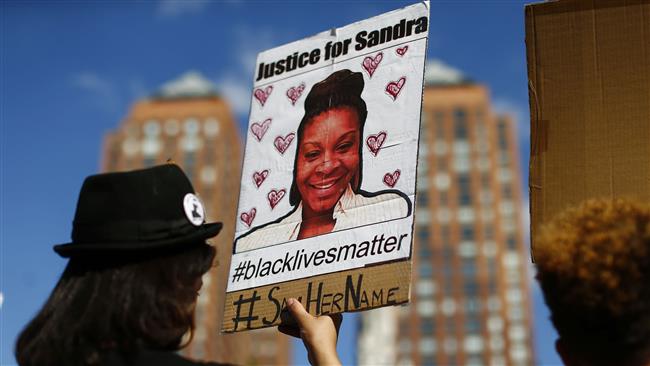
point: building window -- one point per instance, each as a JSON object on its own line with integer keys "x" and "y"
{"x": 464, "y": 189}
{"x": 208, "y": 175}
{"x": 425, "y": 270}
{"x": 423, "y": 199}
{"x": 444, "y": 215}
{"x": 495, "y": 324}
{"x": 503, "y": 134}
{"x": 467, "y": 233}
{"x": 442, "y": 181}
{"x": 472, "y": 305}
{"x": 440, "y": 124}
{"x": 211, "y": 127}
{"x": 191, "y": 126}
{"x": 426, "y": 308}
{"x": 424, "y": 250}
{"x": 423, "y": 234}
{"x": 460, "y": 124}
{"x": 506, "y": 192}
{"x": 469, "y": 268}
{"x": 472, "y": 324}
{"x": 511, "y": 242}
{"x": 470, "y": 287}
{"x": 425, "y": 287}
{"x": 473, "y": 343}
{"x": 189, "y": 164}
{"x": 448, "y": 307}
{"x": 426, "y": 326}
{"x": 494, "y": 303}
{"x": 151, "y": 128}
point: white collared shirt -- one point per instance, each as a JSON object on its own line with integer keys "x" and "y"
{"x": 352, "y": 210}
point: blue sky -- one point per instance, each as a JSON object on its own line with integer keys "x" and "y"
{"x": 70, "y": 71}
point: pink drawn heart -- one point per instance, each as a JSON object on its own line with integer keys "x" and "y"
{"x": 282, "y": 143}
{"x": 370, "y": 64}
{"x": 374, "y": 142}
{"x": 295, "y": 92}
{"x": 248, "y": 217}
{"x": 263, "y": 95}
{"x": 259, "y": 177}
{"x": 259, "y": 129}
{"x": 402, "y": 51}
{"x": 395, "y": 87}
{"x": 275, "y": 196}
{"x": 391, "y": 179}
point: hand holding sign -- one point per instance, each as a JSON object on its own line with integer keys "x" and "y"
{"x": 319, "y": 334}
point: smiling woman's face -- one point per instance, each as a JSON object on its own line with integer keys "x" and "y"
{"x": 328, "y": 158}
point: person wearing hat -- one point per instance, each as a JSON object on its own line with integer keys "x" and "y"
{"x": 128, "y": 293}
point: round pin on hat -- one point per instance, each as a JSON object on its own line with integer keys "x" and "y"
{"x": 194, "y": 209}
{"x": 106, "y": 221}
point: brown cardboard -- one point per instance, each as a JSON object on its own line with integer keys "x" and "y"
{"x": 589, "y": 91}
{"x": 354, "y": 290}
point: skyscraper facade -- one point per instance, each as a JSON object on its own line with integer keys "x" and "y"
{"x": 470, "y": 302}
{"x": 188, "y": 123}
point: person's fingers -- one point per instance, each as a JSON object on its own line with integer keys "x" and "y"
{"x": 337, "y": 319}
{"x": 298, "y": 312}
{"x": 290, "y": 331}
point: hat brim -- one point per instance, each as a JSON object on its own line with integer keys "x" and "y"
{"x": 203, "y": 232}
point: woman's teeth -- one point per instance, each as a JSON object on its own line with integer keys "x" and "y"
{"x": 324, "y": 186}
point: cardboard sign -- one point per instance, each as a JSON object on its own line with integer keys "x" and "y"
{"x": 328, "y": 182}
{"x": 589, "y": 89}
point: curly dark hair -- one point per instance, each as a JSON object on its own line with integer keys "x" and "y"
{"x": 117, "y": 303}
{"x": 593, "y": 264}
{"x": 341, "y": 89}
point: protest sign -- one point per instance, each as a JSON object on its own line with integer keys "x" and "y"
{"x": 589, "y": 130}
{"x": 328, "y": 182}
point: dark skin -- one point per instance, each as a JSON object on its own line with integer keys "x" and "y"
{"x": 328, "y": 160}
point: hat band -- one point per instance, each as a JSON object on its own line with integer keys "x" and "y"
{"x": 130, "y": 230}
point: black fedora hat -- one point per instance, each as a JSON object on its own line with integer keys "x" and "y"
{"x": 148, "y": 209}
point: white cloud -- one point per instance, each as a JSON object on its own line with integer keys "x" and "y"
{"x": 93, "y": 83}
{"x": 176, "y": 8}
{"x": 2, "y": 299}
{"x": 102, "y": 89}
{"x": 237, "y": 91}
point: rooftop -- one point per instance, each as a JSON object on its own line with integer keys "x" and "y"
{"x": 438, "y": 73}
{"x": 191, "y": 84}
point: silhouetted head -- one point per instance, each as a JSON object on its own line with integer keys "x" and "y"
{"x": 593, "y": 265}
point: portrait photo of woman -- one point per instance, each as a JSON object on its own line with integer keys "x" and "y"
{"x": 325, "y": 194}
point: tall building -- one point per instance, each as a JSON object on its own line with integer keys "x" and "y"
{"x": 470, "y": 301}
{"x": 188, "y": 123}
